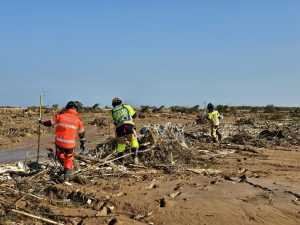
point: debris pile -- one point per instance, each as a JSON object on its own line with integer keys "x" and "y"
{"x": 103, "y": 149}
{"x": 100, "y": 122}
{"x": 263, "y": 134}
{"x": 168, "y": 144}
{"x": 271, "y": 135}
{"x": 245, "y": 121}
{"x": 159, "y": 144}
{"x": 241, "y": 138}
{"x": 33, "y": 195}
{"x": 197, "y": 134}
{"x": 6, "y": 171}
{"x": 201, "y": 118}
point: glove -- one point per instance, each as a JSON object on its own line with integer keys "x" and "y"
{"x": 82, "y": 145}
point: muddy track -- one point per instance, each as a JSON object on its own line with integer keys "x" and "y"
{"x": 238, "y": 184}
{"x": 178, "y": 198}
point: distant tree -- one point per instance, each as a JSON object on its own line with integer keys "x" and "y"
{"x": 222, "y": 108}
{"x": 254, "y": 109}
{"x": 55, "y": 106}
{"x": 269, "y": 109}
{"x": 297, "y": 110}
{"x": 195, "y": 108}
{"x": 79, "y": 105}
{"x": 145, "y": 109}
{"x": 96, "y": 106}
{"x": 159, "y": 109}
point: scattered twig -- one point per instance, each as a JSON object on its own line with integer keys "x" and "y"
{"x": 37, "y": 175}
{"x": 111, "y": 161}
{"x": 35, "y": 217}
{"x": 24, "y": 193}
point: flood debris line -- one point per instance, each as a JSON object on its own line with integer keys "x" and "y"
{"x": 159, "y": 144}
{"x": 43, "y": 199}
{"x": 205, "y": 171}
{"x": 168, "y": 145}
{"x": 34, "y": 193}
{"x": 100, "y": 122}
{"x": 6, "y": 170}
{"x": 250, "y": 131}
{"x": 21, "y": 169}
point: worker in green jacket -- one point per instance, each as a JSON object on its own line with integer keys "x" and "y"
{"x": 123, "y": 116}
{"x": 214, "y": 117}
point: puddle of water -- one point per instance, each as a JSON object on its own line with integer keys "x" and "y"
{"x": 14, "y": 155}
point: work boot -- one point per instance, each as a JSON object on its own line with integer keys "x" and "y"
{"x": 214, "y": 140}
{"x": 219, "y": 138}
{"x": 135, "y": 156}
{"x": 120, "y": 154}
{"x": 136, "y": 160}
{"x": 76, "y": 165}
{"x": 67, "y": 175}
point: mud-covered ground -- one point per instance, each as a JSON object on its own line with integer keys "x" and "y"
{"x": 251, "y": 178}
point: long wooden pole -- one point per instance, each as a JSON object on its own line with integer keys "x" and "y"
{"x": 39, "y": 131}
{"x": 36, "y": 217}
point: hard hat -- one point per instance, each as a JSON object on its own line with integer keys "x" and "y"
{"x": 71, "y": 105}
{"x": 210, "y": 107}
{"x": 116, "y": 101}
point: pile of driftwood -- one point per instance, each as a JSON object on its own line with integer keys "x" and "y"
{"x": 29, "y": 193}
{"x": 159, "y": 144}
{"x": 33, "y": 191}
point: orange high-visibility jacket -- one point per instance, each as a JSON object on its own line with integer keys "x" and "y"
{"x": 67, "y": 127}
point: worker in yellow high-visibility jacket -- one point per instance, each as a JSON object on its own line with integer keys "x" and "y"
{"x": 123, "y": 116}
{"x": 214, "y": 117}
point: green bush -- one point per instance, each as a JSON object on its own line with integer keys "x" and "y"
{"x": 223, "y": 108}
{"x": 270, "y": 109}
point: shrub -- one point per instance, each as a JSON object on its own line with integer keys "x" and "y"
{"x": 269, "y": 109}
{"x": 183, "y": 109}
{"x": 156, "y": 110}
{"x": 96, "y": 106}
{"x": 222, "y": 108}
{"x": 55, "y": 106}
{"x": 145, "y": 109}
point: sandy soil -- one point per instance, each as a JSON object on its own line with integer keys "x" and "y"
{"x": 253, "y": 185}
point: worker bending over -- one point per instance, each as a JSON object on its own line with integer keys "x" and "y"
{"x": 123, "y": 116}
{"x": 68, "y": 126}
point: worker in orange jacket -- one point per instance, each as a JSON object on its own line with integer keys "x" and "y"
{"x": 68, "y": 126}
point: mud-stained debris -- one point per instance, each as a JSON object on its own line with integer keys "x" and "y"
{"x": 177, "y": 160}
{"x": 270, "y": 135}
{"x": 19, "y": 167}
{"x": 159, "y": 144}
{"x": 153, "y": 185}
{"x": 175, "y": 194}
{"x": 208, "y": 172}
{"x": 100, "y": 122}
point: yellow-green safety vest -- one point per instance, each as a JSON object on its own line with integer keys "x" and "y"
{"x": 123, "y": 114}
{"x": 214, "y": 117}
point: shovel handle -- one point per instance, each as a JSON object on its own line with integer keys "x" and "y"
{"x": 39, "y": 131}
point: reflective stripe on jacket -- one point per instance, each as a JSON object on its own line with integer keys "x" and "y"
{"x": 67, "y": 127}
